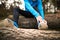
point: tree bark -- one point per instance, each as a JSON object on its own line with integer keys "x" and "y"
{"x": 53, "y": 21}
{"x": 9, "y": 32}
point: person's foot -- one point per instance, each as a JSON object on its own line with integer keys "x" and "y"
{"x": 42, "y": 25}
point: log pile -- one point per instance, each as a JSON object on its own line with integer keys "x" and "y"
{"x": 9, "y": 32}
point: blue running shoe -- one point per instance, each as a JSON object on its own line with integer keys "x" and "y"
{"x": 15, "y": 24}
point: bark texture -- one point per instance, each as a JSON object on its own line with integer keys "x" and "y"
{"x": 9, "y": 32}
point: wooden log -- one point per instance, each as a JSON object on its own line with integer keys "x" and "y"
{"x": 52, "y": 19}
{"x": 25, "y": 22}
{"x": 9, "y": 32}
